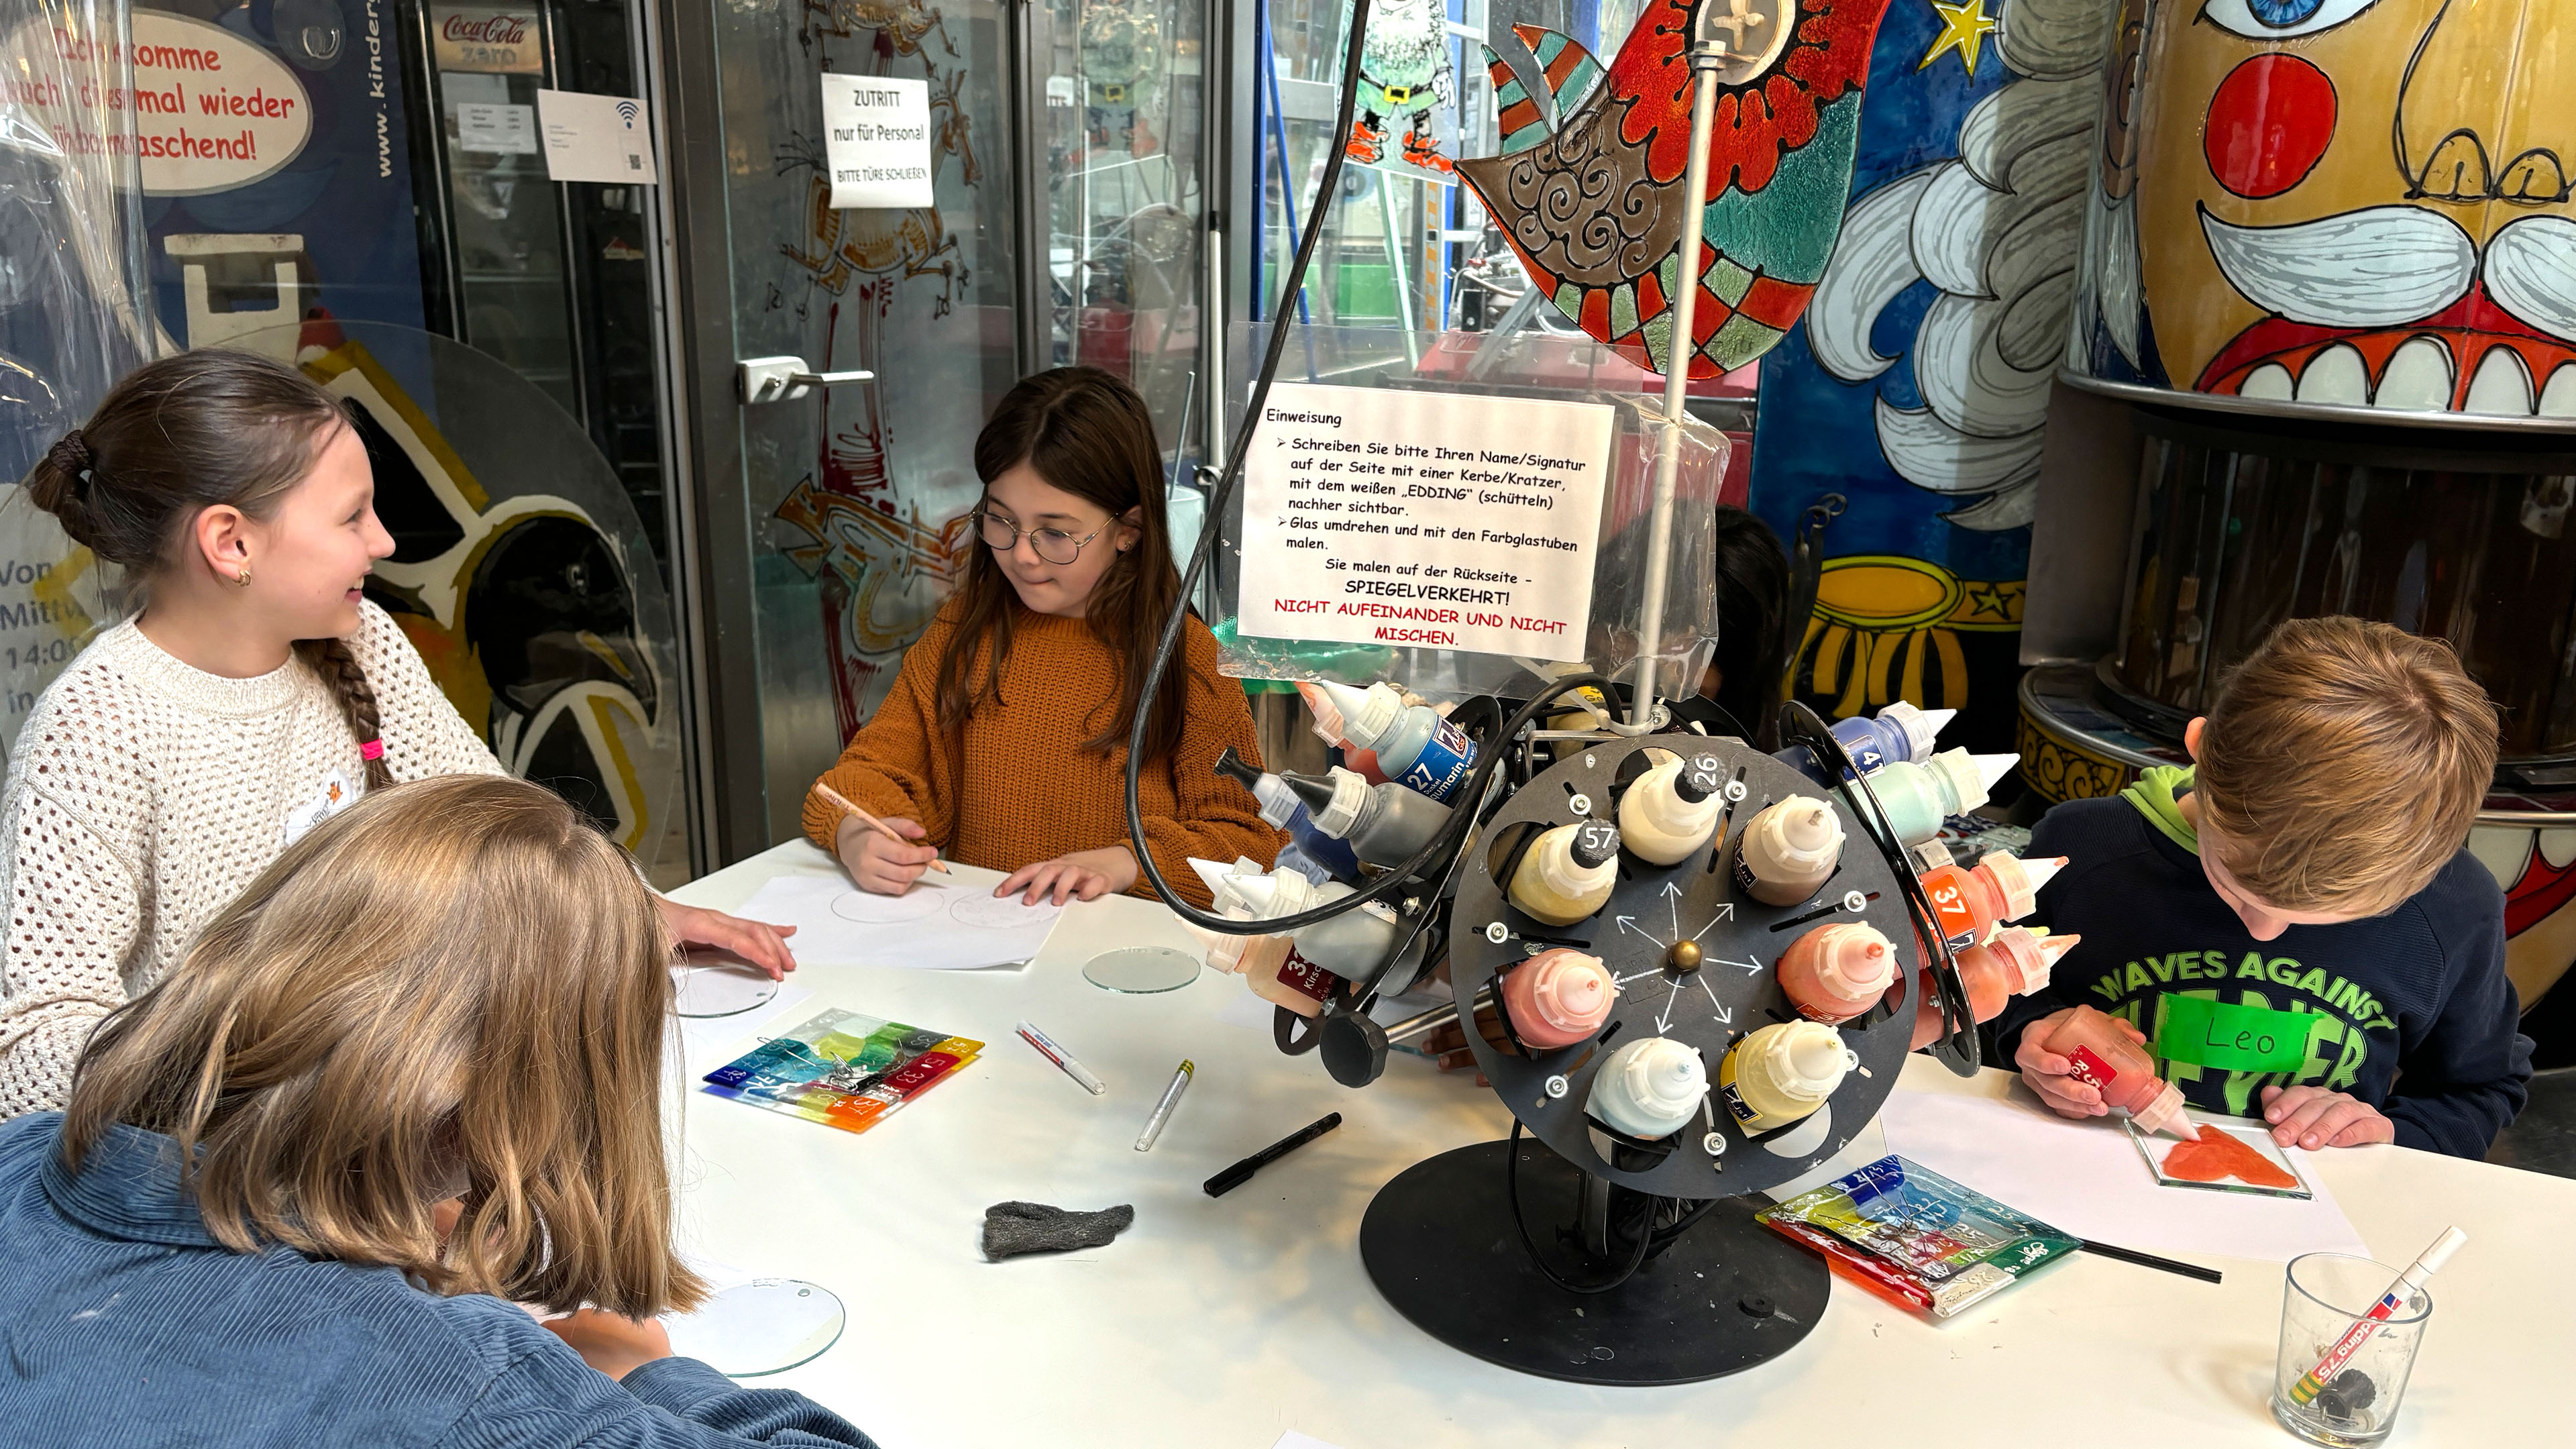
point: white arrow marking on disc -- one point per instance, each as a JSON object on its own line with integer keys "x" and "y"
{"x": 1751, "y": 968}
{"x": 1629, "y": 923}
{"x": 1724, "y": 1016}
{"x": 1725, "y": 912}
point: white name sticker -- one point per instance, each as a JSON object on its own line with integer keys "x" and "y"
{"x": 337, "y": 794}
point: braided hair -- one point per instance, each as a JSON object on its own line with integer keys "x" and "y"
{"x": 184, "y": 434}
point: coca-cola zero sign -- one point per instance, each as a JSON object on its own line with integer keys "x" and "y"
{"x": 489, "y": 41}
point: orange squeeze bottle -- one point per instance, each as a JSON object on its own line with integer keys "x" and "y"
{"x": 2106, "y": 1059}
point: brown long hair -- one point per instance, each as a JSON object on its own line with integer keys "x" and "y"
{"x": 1088, "y": 433}
{"x": 454, "y": 986}
{"x": 179, "y": 436}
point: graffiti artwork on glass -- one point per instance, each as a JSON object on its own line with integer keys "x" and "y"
{"x": 881, "y": 567}
{"x": 1405, "y": 76}
{"x": 1592, "y": 206}
{"x": 2354, "y": 202}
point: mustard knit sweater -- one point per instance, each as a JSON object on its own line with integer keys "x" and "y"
{"x": 1016, "y": 785}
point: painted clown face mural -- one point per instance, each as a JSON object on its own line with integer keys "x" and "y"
{"x": 2355, "y": 202}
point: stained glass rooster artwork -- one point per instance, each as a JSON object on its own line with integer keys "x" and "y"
{"x": 1592, "y": 204}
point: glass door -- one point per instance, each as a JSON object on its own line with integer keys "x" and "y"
{"x": 829, "y": 518}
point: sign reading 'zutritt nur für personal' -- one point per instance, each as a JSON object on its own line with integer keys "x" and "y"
{"x": 1374, "y": 516}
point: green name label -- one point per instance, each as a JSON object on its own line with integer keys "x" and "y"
{"x": 2205, "y": 1033}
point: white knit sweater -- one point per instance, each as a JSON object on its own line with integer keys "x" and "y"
{"x": 144, "y": 794}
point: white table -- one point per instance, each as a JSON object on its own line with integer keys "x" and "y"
{"x": 1220, "y": 1323}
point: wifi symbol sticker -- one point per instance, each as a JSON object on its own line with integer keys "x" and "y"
{"x": 627, "y": 111}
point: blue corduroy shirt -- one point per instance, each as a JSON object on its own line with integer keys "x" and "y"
{"x": 122, "y": 1321}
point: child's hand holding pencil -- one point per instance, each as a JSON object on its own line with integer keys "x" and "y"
{"x": 882, "y": 856}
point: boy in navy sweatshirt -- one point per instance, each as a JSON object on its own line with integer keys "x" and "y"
{"x": 2292, "y": 925}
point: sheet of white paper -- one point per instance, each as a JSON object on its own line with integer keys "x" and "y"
{"x": 2087, "y": 1178}
{"x": 1294, "y": 1440}
{"x": 876, "y": 140}
{"x": 1244, "y": 1009}
{"x": 595, "y": 138}
{"x": 503, "y": 130}
{"x": 954, "y": 926}
{"x": 707, "y": 1043}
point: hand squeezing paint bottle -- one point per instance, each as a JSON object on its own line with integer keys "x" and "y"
{"x": 1918, "y": 797}
{"x": 1558, "y": 998}
{"x": 1566, "y": 874}
{"x": 1789, "y": 850}
{"x": 1782, "y": 1074}
{"x": 1671, "y": 810}
{"x": 2112, "y": 1062}
{"x": 1649, "y": 1088}
{"x": 2000, "y": 887}
{"x": 1282, "y": 810}
{"x": 1413, "y": 744}
{"x": 1385, "y": 824}
{"x": 1835, "y": 972}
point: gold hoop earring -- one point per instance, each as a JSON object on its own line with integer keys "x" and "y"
{"x": 242, "y": 579}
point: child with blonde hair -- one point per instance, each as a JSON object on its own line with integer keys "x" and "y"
{"x": 406, "y": 1082}
{"x": 2307, "y": 880}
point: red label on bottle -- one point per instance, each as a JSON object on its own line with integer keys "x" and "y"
{"x": 1306, "y": 978}
{"x": 2091, "y": 1070}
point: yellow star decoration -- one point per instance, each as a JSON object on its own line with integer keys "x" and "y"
{"x": 1986, "y": 599}
{"x": 1962, "y": 29}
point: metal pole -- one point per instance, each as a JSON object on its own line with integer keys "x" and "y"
{"x": 1706, "y": 57}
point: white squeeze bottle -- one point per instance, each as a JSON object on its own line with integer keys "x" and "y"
{"x": 1649, "y": 1088}
{"x": 1566, "y": 874}
{"x": 1789, "y": 850}
{"x": 1670, "y": 811}
{"x": 1350, "y": 945}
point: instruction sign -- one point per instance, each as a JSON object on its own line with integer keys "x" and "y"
{"x": 595, "y": 138}
{"x": 1439, "y": 520}
{"x": 876, "y": 140}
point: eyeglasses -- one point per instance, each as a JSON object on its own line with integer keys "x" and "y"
{"x": 1053, "y": 544}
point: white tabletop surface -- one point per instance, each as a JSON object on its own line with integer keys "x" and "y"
{"x": 1222, "y": 1323}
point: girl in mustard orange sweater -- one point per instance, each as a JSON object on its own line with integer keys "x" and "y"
{"x": 1004, "y": 740}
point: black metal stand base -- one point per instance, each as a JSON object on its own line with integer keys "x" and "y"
{"x": 1439, "y": 1243}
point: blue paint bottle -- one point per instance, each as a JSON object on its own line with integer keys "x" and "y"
{"x": 1414, "y": 746}
{"x": 1282, "y": 810}
{"x": 1900, "y": 734}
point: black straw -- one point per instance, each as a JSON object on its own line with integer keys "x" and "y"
{"x": 2150, "y": 1260}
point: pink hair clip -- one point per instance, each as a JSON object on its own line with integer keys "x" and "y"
{"x": 372, "y": 750}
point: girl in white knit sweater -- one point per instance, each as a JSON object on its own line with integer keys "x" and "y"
{"x": 255, "y": 693}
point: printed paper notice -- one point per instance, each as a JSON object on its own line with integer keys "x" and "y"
{"x": 1373, "y": 516}
{"x": 595, "y": 138}
{"x": 876, "y": 140}
{"x": 500, "y": 129}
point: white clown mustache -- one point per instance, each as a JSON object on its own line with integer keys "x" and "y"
{"x": 2378, "y": 267}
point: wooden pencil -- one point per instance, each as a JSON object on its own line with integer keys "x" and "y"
{"x": 835, "y": 797}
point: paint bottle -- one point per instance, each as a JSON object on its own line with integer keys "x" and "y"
{"x": 1558, "y": 998}
{"x": 2015, "y": 963}
{"x": 1782, "y": 1074}
{"x": 1271, "y": 966}
{"x": 1350, "y": 945}
{"x": 1385, "y": 824}
{"x": 1329, "y": 728}
{"x": 1835, "y": 972}
{"x": 1899, "y": 732}
{"x": 1414, "y": 746}
{"x": 1566, "y": 874}
{"x": 1649, "y": 1088}
{"x": 1670, "y": 811}
{"x": 1282, "y": 810}
{"x": 1789, "y": 850}
{"x": 2001, "y": 887}
{"x": 2114, "y": 1064}
{"x": 1918, "y": 798}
